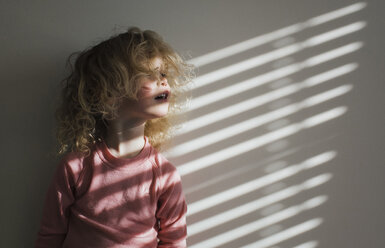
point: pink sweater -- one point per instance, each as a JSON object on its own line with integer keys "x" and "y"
{"x": 104, "y": 201}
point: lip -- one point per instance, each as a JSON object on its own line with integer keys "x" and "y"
{"x": 167, "y": 92}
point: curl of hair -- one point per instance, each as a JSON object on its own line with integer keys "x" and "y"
{"x": 103, "y": 75}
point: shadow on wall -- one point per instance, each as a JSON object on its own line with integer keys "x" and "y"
{"x": 249, "y": 183}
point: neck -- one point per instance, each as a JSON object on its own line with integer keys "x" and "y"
{"x": 125, "y": 139}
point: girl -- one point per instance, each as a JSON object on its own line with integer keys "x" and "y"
{"x": 113, "y": 188}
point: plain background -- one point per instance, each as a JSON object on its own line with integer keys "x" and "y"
{"x": 37, "y": 36}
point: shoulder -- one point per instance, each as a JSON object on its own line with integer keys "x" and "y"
{"x": 74, "y": 164}
{"x": 164, "y": 165}
{"x": 167, "y": 171}
{"x": 72, "y": 161}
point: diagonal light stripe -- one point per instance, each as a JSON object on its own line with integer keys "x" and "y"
{"x": 334, "y": 34}
{"x": 254, "y": 82}
{"x": 243, "y": 86}
{"x": 246, "y": 229}
{"x": 255, "y": 122}
{"x": 237, "y": 108}
{"x": 352, "y": 47}
{"x": 252, "y": 206}
{"x": 310, "y": 244}
{"x": 286, "y": 234}
{"x": 263, "y": 39}
{"x": 336, "y": 14}
{"x": 245, "y": 45}
{"x": 245, "y": 65}
{"x": 275, "y": 54}
{"x": 234, "y": 109}
{"x": 258, "y": 183}
{"x": 239, "y": 171}
{"x": 259, "y": 141}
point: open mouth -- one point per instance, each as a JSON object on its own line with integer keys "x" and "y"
{"x": 163, "y": 96}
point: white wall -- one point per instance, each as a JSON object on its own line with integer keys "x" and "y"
{"x": 341, "y": 148}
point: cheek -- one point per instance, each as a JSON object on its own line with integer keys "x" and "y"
{"x": 145, "y": 91}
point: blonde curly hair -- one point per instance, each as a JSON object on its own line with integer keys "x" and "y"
{"x": 107, "y": 72}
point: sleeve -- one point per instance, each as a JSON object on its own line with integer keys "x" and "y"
{"x": 59, "y": 197}
{"x": 172, "y": 208}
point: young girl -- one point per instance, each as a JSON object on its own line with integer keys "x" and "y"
{"x": 113, "y": 188}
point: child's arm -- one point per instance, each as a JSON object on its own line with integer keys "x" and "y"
{"x": 172, "y": 209}
{"x": 59, "y": 197}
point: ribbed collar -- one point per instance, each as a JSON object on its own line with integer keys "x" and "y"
{"x": 124, "y": 163}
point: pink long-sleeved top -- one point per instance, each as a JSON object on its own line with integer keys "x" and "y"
{"x": 105, "y": 201}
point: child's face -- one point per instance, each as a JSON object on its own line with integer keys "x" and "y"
{"x": 153, "y": 96}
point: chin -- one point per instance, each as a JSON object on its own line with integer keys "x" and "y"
{"x": 158, "y": 111}
{"x": 158, "y": 114}
{"x": 163, "y": 114}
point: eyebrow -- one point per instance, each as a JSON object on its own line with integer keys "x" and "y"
{"x": 160, "y": 67}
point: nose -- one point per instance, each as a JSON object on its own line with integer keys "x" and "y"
{"x": 163, "y": 82}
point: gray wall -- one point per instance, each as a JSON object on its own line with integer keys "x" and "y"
{"x": 312, "y": 175}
